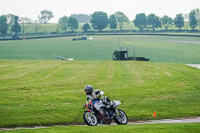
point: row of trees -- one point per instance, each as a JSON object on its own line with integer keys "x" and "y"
{"x": 4, "y": 26}
{"x": 11, "y": 23}
{"x": 142, "y": 21}
{"x": 64, "y": 23}
{"x": 99, "y": 21}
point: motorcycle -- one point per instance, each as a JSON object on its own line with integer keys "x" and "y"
{"x": 98, "y": 112}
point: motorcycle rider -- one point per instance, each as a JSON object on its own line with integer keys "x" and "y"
{"x": 97, "y": 95}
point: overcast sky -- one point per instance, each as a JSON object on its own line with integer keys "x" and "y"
{"x": 32, "y": 8}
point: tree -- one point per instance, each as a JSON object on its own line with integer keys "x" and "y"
{"x": 99, "y": 20}
{"x": 86, "y": 27}
{"x": 16, "y": 27}
{"x": 24, "y": 22}
{"x": 197, "y": 11}
{"x": 166, "y": 21}
{"x": 121, "y": 18}
{"x": 40, "y": 20}
{"x": 186, "y": 19}
{"x": 73, "y": 23}
{"x": 3, "y": 24}
{"x": 153, "y": 21}
{"x": 140, "y": 21}
{"x": 57, "y": 28}
{"x": 113, "y": 22}
{"x": 10, "y": 21}
{"x": 45, "y": 16}
{"x": 82, "y": 18}
{"x": 63, "y": 23}
{"x": 37, "y": 26}
{"x": 192, "y": 20}
{"x": 179, "y": 21}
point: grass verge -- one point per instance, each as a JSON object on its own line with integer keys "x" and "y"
{"x": 46, "y": 92}
{"x": 147, "y": 128}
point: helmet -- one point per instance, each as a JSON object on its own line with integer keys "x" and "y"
{"x": 88, "y": 89}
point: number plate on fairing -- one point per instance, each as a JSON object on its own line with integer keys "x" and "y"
{"x": 98, "y": 105}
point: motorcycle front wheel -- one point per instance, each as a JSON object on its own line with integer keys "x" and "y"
{"x": 121, "y": 118}
{"x": 90, "y": 119}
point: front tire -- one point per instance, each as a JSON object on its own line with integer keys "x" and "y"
{"x": 121, "y": 118}
{"x": 90, "y": 119}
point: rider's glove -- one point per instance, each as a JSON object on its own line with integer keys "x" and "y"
{"x": 93, "y": 99}
{"x": 98, "y": 96}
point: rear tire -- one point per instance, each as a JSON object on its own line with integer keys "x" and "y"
{"x": 122, "y": 118}
{"x": 90, "y": 120}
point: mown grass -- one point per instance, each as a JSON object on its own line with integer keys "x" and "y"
{"x": 157, "y": 48}
{"x": 147, "y": 128}
{"x": 35, "y": 92}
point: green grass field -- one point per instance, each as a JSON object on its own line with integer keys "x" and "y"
{"x": 148, "y": 128}
{"x": 35, "y": 89}
{"x": 43, "y": 92}
{"x": 127, "y": 26}
{"x": 157, "y": 48}
{"x": 53, "y": 27}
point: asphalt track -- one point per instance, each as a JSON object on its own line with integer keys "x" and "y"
{"x": 177, "y": 120}
{"x": 166, "y": 40}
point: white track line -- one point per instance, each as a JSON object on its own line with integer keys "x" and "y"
{"x": 194, "y": 65}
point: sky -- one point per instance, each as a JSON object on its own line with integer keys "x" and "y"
{"x": 32, "y": 8}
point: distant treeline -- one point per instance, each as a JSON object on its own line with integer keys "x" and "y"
{"x": 82, "y": 18}
{"x": 12, "y": 24}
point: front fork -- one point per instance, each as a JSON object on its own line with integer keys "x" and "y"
{"x": 91, "y": 114}
{"x": 116, "y": 112}
{"x": 91, "y": 111}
